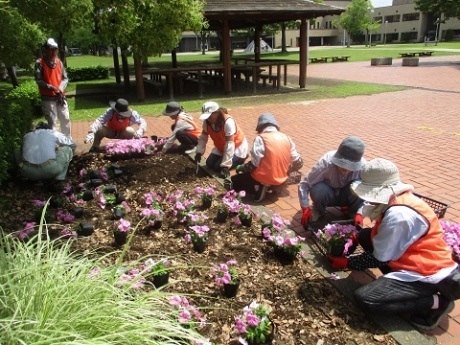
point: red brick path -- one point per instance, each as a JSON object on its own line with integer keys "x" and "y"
{"x": 418, "y": 129}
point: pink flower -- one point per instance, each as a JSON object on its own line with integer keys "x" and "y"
{"x": 252, "y": 320}
{"x": 175, "y": 300}
{"x": 184, "y": 316}
{"x": 240, "y": 326}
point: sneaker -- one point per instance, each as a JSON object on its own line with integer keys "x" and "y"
{"x": 260, "y": 193}
{"x": 192, "y": 150}
{"x": 432, "y": 318}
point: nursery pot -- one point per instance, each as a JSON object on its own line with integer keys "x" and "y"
{"x": 110, "y": 189}
{"x": 85, "y": 229}
{"x": 161, "y": 279}
{"x": 88, "y": 195}
{"x": 268, "y": 338}
{"x": 156, "y": 225}
{"x": 206, "y": 203}
{"x": 120, "y": 237}
{"x": 221, "y": 216}
{"x": 199, "y": 246}
{"x": 118, "y": 213}
{"x": 337, "y": 250}
{"x": 95, "y": 175}
{"x": 120, "y": 198}
{"x": 95, "y": 182}
{"x": 230, "y": 290}
{"x": 77, "y": 212}
{"x": 246, "y": 221}
{"x": 284, "y": 257}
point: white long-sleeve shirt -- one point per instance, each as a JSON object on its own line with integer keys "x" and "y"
{"x": 40, "y": 145}
{"x": 182, "y": 124}
{"x": 135, "y": 118}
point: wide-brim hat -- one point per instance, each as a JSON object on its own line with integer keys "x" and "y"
{"x": 172, "y": 109}
{"x": 121, "y": 106}
{"x": 379, "y": 182}
{"x": 207, "y": 109}
{"x": 349, "y": 155}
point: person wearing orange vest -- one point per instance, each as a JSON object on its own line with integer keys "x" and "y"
{"x": 115, "y": 123}
{"x": 51, "y": 78}
{"x": 230, "y": 144}
{"x": 273, "y": 156}
{"x": 406, "y": 240}
{"x": 184, "y": 129}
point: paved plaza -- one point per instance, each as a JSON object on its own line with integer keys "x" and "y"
{"x": 417, "y": 128}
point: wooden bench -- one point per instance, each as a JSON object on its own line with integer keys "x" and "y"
{"x": 339, "y": 58}
{"x": 271, "y": 78}
{"x": 155, "y": 84}
{"x": 407, "y": 54}
{"x": 429, "y": 53}
{"x": 318, "y": 59}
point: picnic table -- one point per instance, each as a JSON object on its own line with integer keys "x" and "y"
{"x": 412, "y": 54}
{"x": 340, "y": 58}
{"x": 318, "y": 59}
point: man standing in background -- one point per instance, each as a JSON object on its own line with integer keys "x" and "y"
{"x": 51, "y": 78}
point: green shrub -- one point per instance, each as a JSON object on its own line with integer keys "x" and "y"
{"x": 28, "y": 90}
{"x": 87, "y": 73}
{"x": 17, "y": 120}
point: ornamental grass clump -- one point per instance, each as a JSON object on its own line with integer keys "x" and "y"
{"x": 51, "y": 296}
{"x": 452, "y": 237}
{"x": 254, "y": 325}
{"x": 337, "y": 236}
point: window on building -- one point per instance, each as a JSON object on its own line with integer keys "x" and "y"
{"x": 378, "y": 19}
{"x": 410, "y": 17}
{"x": 393, "y": 19}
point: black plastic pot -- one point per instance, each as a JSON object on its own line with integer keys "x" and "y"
{"x": 85, "y": 229}
{"x": 94, "y": 175}
{"x": 230, "y": 290}
{"x": 246, "y": 221}
{"x": 120, "y": 237}
{"x": 96, "y": 182}
{"x": 110, "y": 189}
{"x": 285, "y": 258}
{"x": 118, "y": 213}
{"x": 120, "y": 198}
{"x": 221, "y": 216}
{"x": 88, "y": 195}
{"x": 77, "y": 212}
{"x": 206, "y": 203}
{"x": 161, "y": 279}
{"x": 199, "y": 246}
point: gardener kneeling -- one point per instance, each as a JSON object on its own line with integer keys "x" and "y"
{"x": 273, "y": 157}
{"x": 407, "y": 243}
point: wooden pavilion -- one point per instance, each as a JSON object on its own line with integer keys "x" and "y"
{"x": 223, "y": 16}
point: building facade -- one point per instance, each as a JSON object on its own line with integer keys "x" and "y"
{"x": 399, "y": 23}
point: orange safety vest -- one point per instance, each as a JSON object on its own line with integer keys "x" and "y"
{"x": 273, "y": 167}
{"x": 52, "y": 76}
{"x": 195, "y": 131}
{"x": 116, "y": 125}
{"x": 219, "y": 137}
{"x": 430, "y": 253}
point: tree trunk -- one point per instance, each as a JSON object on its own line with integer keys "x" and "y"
{"x": 174, "y": 58}
{"x": 124, "y": 61}
{"x": 139, "y": 79}
{"x": 283, "y": 38}
{"x": 203, "y": 42}
{"x": 62, "y": 49}
{"x": 12, "y": 74}
{"x": 116, "y": 63}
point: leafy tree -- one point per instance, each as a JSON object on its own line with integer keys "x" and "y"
{"x": 148, "y": 27}
{"x": 56, "y": 16}
{"x": 450, "y": 8}
{"x": 355, "y": 18}
{"x": 19, "y": 40}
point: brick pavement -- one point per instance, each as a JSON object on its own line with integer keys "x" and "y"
{"x": 418, "y": 129}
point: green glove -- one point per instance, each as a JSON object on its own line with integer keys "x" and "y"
{"x": 239, "y": 169}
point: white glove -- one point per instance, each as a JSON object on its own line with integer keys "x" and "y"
{"x": 139, "y": 134}
{"x": 89, "y": 138}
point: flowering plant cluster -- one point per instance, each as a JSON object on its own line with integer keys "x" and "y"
{"x": 273, "y": 226}
{"x": 196, "y": 218}
{"x": 104, "y": 198}
{"x": 124, "y": 206}
{"x": 452, "y": 237}
{"x": 287, "y": 241}
{"x": 181, "y": 205}
{"x": 232, "y": 201}
{"x": 189, "y": 315}
{"x": 28, "y": 230}
{"x": 205, "y": 194}
{"x": 156, "y": 268}
{"x": 153, "y": 215}
{"x": 124, "y": 147}
{"x": 197, "y": 233}
{"x": 337, "y": 235}
{"x": 245, "y": 211}
{"x": 38, "y": 205}
{"x": 254, "y": 325}
{"x": 132, "y": 278}
{"x": 226, "y": 273}
{"x": 122, "y": 225}
{"x": 64, "y": 216}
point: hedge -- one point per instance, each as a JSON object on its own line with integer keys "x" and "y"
{"x": 87, "y": 73}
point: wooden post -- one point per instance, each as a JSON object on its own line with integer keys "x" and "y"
{"x": 257, "y": 44}
{"x": 226, "y": 58}
{"x": 139, "y": 78}
{"x": 303, "y": 53}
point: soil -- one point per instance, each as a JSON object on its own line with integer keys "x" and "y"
{"x": 305, "y": 307}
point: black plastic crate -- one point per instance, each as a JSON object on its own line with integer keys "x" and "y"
{"x": 438, "y": 207}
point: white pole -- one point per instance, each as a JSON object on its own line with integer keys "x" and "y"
{"x": 385, "y": 33}
{"x": 437, "y": 32}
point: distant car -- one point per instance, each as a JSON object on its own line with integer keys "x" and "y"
{"x": 74, "y": 52}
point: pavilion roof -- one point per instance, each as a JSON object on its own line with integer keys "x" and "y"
{"x": 251, "y": 13}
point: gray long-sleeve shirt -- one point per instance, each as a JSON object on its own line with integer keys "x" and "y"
{"x": 324, "y": 171}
